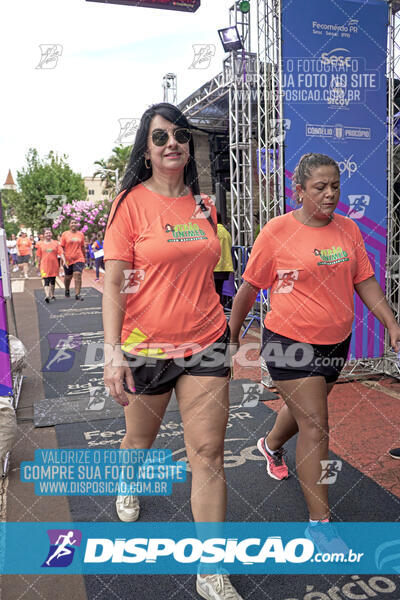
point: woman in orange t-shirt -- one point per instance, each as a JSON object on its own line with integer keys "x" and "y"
{"x": 160, "y": 250}
{"x": 24, "y": 249}
{"x": 312, "y": 260}
{"x": 48, "y": 252}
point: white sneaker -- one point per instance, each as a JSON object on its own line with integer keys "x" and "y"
{"x": 26, "y": 275}
{"x": 216, "y": 587}
{"x": 128, "y": 508}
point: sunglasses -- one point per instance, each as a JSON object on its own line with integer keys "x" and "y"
{"x": 160, "y": 136}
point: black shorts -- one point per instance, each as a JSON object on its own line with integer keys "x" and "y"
{"x": 23, "y": 259}
{"x": 74, "y": 268}
{"x": 154, "y": 376}
{"x": 288, "y": 359}
{"x": 49, "y": 280}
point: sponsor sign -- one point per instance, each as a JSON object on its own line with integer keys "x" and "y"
{"x": 334, "y": 95}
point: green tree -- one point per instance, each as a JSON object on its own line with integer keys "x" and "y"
{"x": 51, "y": 176}
{"x": 107, "y": 168}
{"x": 9, "y": 199}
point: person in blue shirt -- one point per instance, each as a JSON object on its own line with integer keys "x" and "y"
{"x": 98, "y": 253}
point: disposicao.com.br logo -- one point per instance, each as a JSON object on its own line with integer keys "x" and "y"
{"x": 180, "y": 547}
{"x": 192, "y": 550}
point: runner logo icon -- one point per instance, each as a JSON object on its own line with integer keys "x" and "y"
{"x": 62, "y": 351}
{"x": 252, "y": 393}
{"x": 62, "y": 547}
{"x": 286, "y": 281}
{"x": 203, "y": 54}
{"x": 330, "y": 470}
{"x": 357, "y": 205}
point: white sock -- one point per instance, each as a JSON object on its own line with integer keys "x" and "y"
{"x": 267, "y": 447}
{"x": 318, "y": 521}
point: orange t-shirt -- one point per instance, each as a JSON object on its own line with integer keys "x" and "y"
{"x": 48, "y": 253}
{"x": 73, "y": 245}
{"x": 172, "y": 308}
{"x": 311, "y": 272}
{"x": 24, "y": 246}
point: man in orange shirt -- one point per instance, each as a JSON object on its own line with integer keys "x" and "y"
{"x": 24, "y": 249}
{"x": 73, "y": 245}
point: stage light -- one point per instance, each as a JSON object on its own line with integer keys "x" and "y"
{"x": 230, "y": 38}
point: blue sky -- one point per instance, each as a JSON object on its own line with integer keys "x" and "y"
{"x": 111, "y": 67}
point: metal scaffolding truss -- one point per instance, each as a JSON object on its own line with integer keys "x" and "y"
{"x": 393, "y": 235}
{"x": 207, "y": 105}
{"x": 270, "y": 111}
{"x": 240, "y": 75}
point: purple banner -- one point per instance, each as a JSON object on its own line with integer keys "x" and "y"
{"x": 5, "y": 364}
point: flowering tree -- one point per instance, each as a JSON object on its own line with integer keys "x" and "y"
{"x": 91, "y": 216}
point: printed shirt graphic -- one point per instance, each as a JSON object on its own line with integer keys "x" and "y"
{"x": 72, "y": 244}
{"x": 48, "y": 253}
{"x": 322, "y": 263}
{"x": 286, "y": 280}
{"x": 24, "y": 246}
{"x": 175, "y": 310}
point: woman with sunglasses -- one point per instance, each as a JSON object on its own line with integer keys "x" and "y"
{"x": 167, "y": 326}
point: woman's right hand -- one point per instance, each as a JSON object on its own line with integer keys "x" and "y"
{"x": 114, "y": 377}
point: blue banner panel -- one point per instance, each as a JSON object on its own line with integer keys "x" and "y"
{"x": 334, "y": 99}
{"x": 172, "y": 548}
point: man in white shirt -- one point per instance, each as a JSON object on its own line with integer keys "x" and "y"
{"x": 12, "y": 251}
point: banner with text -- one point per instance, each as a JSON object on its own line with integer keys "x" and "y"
{"x": 155, "y": 548}
{"x": 334, "y": 99}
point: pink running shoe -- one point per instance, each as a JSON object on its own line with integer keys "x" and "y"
{"x": 276, "y": 465}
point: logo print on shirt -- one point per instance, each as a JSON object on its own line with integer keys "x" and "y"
{"x": 185, "y": 232}
{"x": 286, "y": 277}
{"x": 358, "y": 204}
{"x": 331, "y": 256}
{"x": 133, "y": 278}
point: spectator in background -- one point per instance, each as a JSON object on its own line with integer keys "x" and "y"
{"x": 60, "y": 263}
{"x": 24, "y": 249}
{"x": 33, "y": 253}
{"x": 38, "y": 240}
{"x": 88, "y": 244}
{"x": 12, "y": 252}
{"x": 98, "y": 254}
{"x": 91, "y": 252}
{"x": 225, "y": 266}
{"x": 48, "y": 252}
{"x": 73, "y": 245}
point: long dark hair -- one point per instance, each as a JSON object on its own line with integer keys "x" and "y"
{"x": 137, "y": 171}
